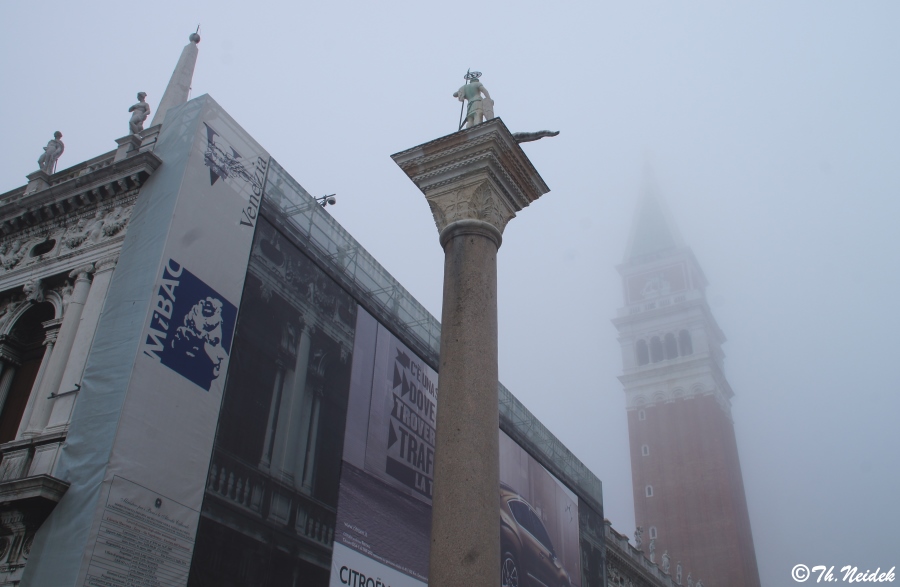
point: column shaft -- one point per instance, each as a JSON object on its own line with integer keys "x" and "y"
{"x": 35, "y": 389}
{"x": 60, "y": 356}
{"x": 307, "y": 467}
{"x": 465, "y": 534}
{"x": 81, "y": 346}
{"x": 274, "y": 406}
{"x": 9, "y": 371}
{"x": 289, "y": 423}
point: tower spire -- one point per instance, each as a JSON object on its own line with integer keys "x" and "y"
{"x": 653, "y": 230}
{"x": 180, "y": 83}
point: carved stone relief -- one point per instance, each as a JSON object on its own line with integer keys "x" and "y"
{"x": 476, "y": 202}
{"x": 94, "y": 227}
{"x": 34, "y": 290}
{"x": 11, "y": 253}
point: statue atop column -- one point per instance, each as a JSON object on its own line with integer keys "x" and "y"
{"x": 55, "y": 148}
{"x": 480, "y": 108}
{"x": 140, "y": 112}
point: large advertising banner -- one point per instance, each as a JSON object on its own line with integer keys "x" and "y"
{"x": 146, "y": 523}
{"x": 539, "y": 538}
{"x": 384, "y": 509}
{"x": 384, "y": 504}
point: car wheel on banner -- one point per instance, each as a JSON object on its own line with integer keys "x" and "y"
{"x": 509, "y": 571}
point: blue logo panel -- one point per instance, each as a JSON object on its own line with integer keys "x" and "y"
{"x": 191, "y": 326}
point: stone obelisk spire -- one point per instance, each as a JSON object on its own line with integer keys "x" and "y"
{"x": 180, "y": 83}
{"x": 474, "y": 181}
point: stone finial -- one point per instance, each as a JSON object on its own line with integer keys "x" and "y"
{"x": 179, "y": 87}
{"x": 54, "y": 148}
{"x": 480, "y": 108}
{"x": 140, "y": 112}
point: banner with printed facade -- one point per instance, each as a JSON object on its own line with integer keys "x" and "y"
{"x": 384, "y": 509}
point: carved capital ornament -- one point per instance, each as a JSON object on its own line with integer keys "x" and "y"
{"x": 477, "y": 175}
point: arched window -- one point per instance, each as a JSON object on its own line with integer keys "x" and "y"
{"x": 684, "y": 343}
{"x": 642, "y": 415}
{"x": 645, "y": 450}
{"x": 671, "y": 347}
{"x": 648, "y": 491}
{"x": 643, "y": 353}
{"x": 653, "y": 532}
{"x": 26, "y": 340}
{"x": 656, "y": 349}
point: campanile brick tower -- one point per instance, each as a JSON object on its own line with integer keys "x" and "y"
{"x": 688, "y": 490}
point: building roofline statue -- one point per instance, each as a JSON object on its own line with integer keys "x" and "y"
{"x": 54, "y": 148}
{"x": 140, "y": 112}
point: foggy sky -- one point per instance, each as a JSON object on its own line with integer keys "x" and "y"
{"x": 770, "y": 129}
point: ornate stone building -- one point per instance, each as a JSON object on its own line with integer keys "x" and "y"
{"x": 61, "y": 236}
{"x": 688, "y": 491}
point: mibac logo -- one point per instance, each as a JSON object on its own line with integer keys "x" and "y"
{"x": 225, "y": 162}
{"x": 190, "y": 327}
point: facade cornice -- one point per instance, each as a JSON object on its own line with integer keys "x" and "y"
{"x": 75, "y": 188}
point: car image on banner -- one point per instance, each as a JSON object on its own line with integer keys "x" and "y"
{"x": 527, "y": 555}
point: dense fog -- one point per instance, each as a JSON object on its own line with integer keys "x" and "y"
{"x": 770, "y": 129}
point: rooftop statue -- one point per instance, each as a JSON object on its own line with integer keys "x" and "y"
{"x": 55, "y": 148}
{"x": 140, "y": 111}
{"x": 480, "y": 109}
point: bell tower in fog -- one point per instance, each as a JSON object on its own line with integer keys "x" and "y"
{"x": 688, "y": 490}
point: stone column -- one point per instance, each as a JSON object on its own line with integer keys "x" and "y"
{"x": 9, "y": 371}
{"x": 474, "y": 181}
{"x": 59, "y": 357}
{"x": 9, "y": 362}
{"x": 84, "y": 338}
{"x": 305, "y": 468}
{"x": 291, "y": 426}
{"x": 266, "y": 460}
{"x": 49, "y": 342}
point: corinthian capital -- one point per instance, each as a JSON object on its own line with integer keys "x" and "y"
{"x": 472, "y": 202}
{"x": 478, "y": 174}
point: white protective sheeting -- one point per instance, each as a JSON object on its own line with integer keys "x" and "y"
{"x": 141, "y": 435}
